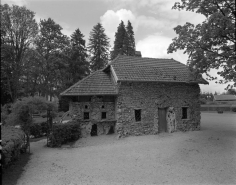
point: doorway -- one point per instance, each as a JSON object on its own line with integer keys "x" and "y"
{"x": 162, "y": 123}
{"x": 94, "y": 130}
{"x": 111, "y": 130}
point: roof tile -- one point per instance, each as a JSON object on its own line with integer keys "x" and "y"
{"x": 98, "y": 83}
{"x": 130, "y": 68}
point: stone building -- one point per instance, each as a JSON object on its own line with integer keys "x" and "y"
{"x": 135, "y": 96}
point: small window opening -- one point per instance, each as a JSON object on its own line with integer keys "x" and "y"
{"x": 137, "y": 114}
{"x": 103, "y": 106}
{"x": 86, "y": 106}
{"x": 184, "y": 112}
{"x": 94, "y": 130}
{"x": 86, "y": 115}
{"x": 104, "y": 115}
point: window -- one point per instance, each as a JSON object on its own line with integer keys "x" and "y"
{"x": 103, "y": 106}
{"x": 86, "y": 115}
{"x": 104, "y": 115}
{"x": 137, "y": 114}
{"x": 86, "y": 106}
{"x": 184, "y": 112}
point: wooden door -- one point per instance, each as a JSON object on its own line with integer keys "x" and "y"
{"x": 162, "y": 120}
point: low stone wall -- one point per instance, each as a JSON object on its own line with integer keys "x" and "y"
{"x": 149, "y": 97}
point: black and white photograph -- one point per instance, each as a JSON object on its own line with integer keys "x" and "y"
{"x": 118, "y": 92}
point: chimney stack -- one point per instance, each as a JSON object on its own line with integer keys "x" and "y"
{"x": 138, "y": 54}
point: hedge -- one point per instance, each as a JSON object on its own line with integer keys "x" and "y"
{"x": 12, "y": 144}
{"x": 234, "y": 109}
{"x": 64, "y": 133}
{"x": 38, "y": 129}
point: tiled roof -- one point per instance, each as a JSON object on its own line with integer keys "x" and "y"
{"x": 98, "y": 83}
{"x": 224, "y": 97}
{"x": 131, "y": 68}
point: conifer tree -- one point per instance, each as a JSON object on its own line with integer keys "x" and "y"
{"x": 124, "y": 43}
{"x": 119, "y": 42}
{"x": 130, "y": 46}
{"x": 78, "y": 66}
{"x": 98, "y": 47}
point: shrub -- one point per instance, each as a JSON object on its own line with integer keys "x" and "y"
{"x": 3, "y": 117}
{"x": 234, "y": 109}
{"x": 203, "y": 101}
{"x": 12, "y": 143}
{"x": 44, "y": 115}
{"x": 38, "y": 129}
{"x": 60, "y": 114}
{"x": 63, "y": 133}
{"x": 44, "y": 127}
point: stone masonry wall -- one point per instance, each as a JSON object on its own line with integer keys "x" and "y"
{"x": 149, "y": 97}
{"x": 95, "y": 109}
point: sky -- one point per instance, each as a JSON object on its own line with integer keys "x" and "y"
{"x": 152, "y": 20}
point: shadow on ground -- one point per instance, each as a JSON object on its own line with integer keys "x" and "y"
{"x": 13, "y": 172}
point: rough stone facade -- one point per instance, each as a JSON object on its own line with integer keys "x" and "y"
{"x": 149, "y": 96}
{"x": 95, "y": 108}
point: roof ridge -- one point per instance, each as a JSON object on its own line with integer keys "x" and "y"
{"x": 145, "y": 57}
{"x": 118, "y": 56}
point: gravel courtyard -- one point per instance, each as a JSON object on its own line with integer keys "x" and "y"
{"x": 200, "y": 157}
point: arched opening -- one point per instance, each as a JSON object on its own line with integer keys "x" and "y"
{"x": 94, "y": 130}
{"x": 111, "y": 130}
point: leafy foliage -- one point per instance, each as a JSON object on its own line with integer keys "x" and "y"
{"x": 234, "y": 109}
{"x": 50, "y": 44}
{"x": 63, "y": 133}
{"x": 12, "y": 142}
{"x": 231, "y": 91}
{"x": 22, "y": 111}
{"x": 211, "y": 44}
{"x": 18, "y": 30}
{"x": 98, "y": 47}
{"x": 38, "y": 129}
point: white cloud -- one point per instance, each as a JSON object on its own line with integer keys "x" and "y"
{"x": 155, "y": 46}
{"x": 14, "y": 2}
{"x": 111, "y": 19}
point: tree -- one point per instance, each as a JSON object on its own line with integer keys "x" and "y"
{"x": 98, "y": 47}
{"x": 50, "y": 44}
{"x": 22, "y": 111}
{"x": 78, "y": 66}
{"x": 18, "y": 30}
{"x": 130, "y": 41}
{"x": 32, "y": 77}
{"x": 119, "y": 44}
{"x": 231, "y": 91}
{"x": 211, "y": 44}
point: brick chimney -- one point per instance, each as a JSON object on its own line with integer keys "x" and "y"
{"x": 138, "y": 54}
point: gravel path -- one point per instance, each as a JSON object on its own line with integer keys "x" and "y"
{"x": 200, "y": 157}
